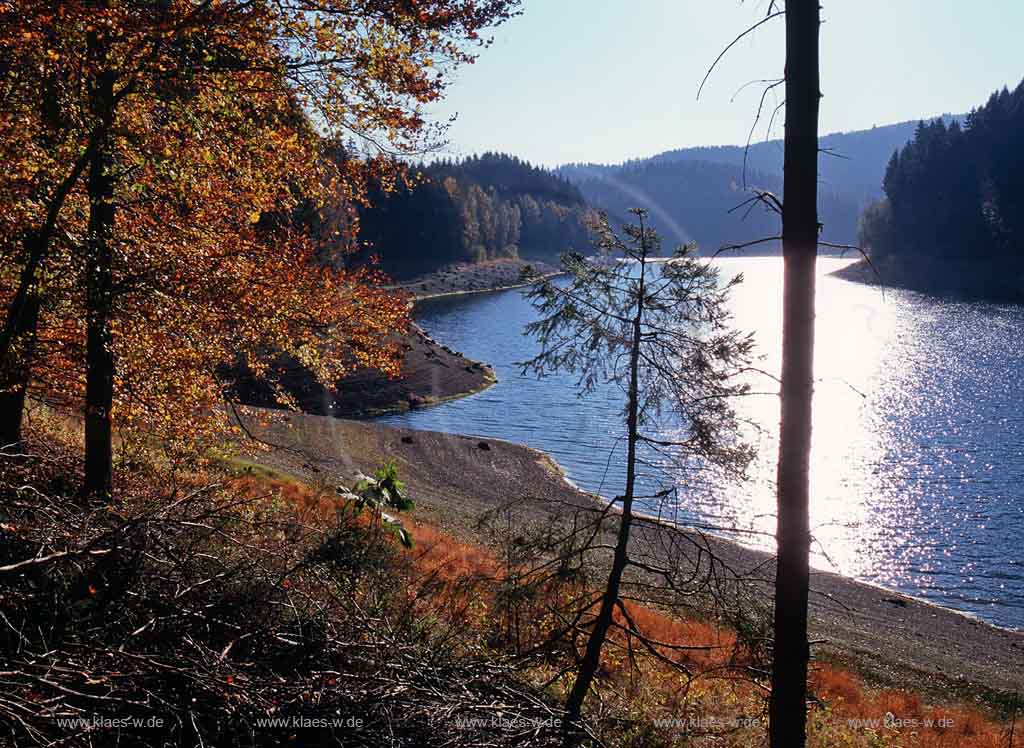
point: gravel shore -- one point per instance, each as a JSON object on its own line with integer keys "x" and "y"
{"x": 476, "y": 277}
{"x": 890, "y": 638}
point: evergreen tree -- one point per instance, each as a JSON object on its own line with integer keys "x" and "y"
{"x": 954, "y": 204}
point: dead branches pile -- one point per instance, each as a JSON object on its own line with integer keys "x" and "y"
{"x": 194, "y": 615}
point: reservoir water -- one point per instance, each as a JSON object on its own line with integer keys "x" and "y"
{"x": 917, "y": 466}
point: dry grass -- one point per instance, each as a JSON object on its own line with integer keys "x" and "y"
{"x": 896, "y": 717}
{"x": 458, "y": 581}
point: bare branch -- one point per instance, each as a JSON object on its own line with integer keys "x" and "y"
{"x": 39, "y": 560}
{"x": 744, "y": 245}
{"x": 733, "y": 43}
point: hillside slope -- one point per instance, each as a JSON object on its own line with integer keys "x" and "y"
{"x": 697, "y": 194}
{"x": 855, "y": 168}
{"x": 473, "y": 210}
{"x": 706, "y": 202}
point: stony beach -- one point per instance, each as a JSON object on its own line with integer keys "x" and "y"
{"x": 478, "y": 277}
{"x": 890, "y": 638}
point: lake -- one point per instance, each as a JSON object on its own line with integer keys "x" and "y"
{"x": 917, "y": 466}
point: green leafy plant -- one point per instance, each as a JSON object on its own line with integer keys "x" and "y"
{"x": 383, "y": 490}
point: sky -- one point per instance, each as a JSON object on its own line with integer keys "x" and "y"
{"x": 609, "y": 80}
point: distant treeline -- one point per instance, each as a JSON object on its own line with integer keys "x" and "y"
{"x": 475, "y": 209}
{"x": 703, "y": 201}
{"x": 953, "y": 212}
{"x": 850, "y": 163}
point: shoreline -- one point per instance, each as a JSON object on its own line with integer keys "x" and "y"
{"x": 475, "y": 291}
{"x": 473, "y": 278}
{"x": 948, "y": 280}
{"x": 724, "y": 538}
{"x": 888, "y": 636}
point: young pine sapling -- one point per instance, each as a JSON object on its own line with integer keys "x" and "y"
{"x": 659, "y": 330}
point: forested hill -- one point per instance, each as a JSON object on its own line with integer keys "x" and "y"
{"x": 952, "y": 219}
{"x": 497, "y": 205}
{"x": 474, "y": 209}
{"x": 703, "y": 202}
{"x": 853, "y": 165}
{"x": 693, "y": 193}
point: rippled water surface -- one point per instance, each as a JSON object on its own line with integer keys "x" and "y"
{"x": 918, "y": 451}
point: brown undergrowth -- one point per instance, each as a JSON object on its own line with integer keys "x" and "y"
{"x": 212, "y": 601}
{"x": 644, "y": 701}
{"x": 191, "y": 608}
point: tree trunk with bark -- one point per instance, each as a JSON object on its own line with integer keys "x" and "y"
{"x": 788, "y": 709}
{"x": 18, "y": 350}
{"x": 99, "y": 384}
{"x": 18, "y": 338}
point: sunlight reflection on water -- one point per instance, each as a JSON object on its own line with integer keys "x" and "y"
{"x": 917, "y": 467}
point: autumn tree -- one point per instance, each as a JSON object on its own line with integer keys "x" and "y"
{"x": 660, "y": 332}
{"x": 199, "y": 133}
{"x": 44, "y": 160}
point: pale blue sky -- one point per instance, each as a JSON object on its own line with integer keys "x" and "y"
{"x": 608, "y": 80}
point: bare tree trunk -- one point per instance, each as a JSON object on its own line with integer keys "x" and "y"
{"x": 788, "y": 709}
{"x": 99, "y": 384}
{"x": 17, "y": 346}
{"x": 592, "y": 656}
{"x": 17, "y": 366}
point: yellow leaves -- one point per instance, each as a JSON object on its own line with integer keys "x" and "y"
{"x": 206, "y": 156}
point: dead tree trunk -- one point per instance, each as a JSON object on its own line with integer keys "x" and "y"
{"x": 799, "y": 246}
{"x": 99, "y": 384}
{"x": 592, "y": 656}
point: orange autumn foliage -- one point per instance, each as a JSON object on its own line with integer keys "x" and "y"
{"x": 936, "y": 726}
{"x": 240, "y": 136}
{"x": 440, "y": 557}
